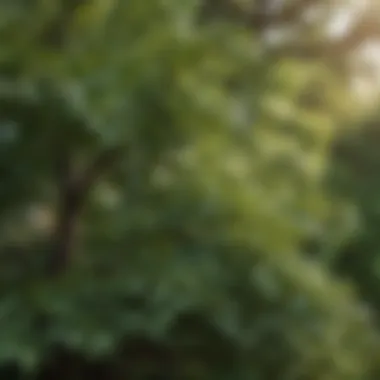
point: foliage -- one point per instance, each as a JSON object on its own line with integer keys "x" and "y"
{"x": 160, "y": 176}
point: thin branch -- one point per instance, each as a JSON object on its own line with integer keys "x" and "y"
{"x": 366, "y": 29}
{"x": 262, "y": 19}
{"x": 73, "y": 192}
{"x": 101, "y": 164}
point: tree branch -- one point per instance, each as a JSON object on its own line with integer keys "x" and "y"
{"x": 365, "y": 29}
{"x": 101, "y": 164}
{"x": 261, "y": 17}
{"x": 73, "y": 192}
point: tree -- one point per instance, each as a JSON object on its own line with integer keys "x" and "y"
{"x": 179, "y": 170}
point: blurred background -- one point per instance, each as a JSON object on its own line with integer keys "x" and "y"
{"x": 189, "y": 190}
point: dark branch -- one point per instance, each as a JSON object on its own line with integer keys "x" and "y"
{"x": 101, "y": 164}
{"x": 73, "y": 192}
{"x": 261, "y": 17}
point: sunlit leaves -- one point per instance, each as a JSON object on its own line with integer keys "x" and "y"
{"x": 203, "y": 217}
